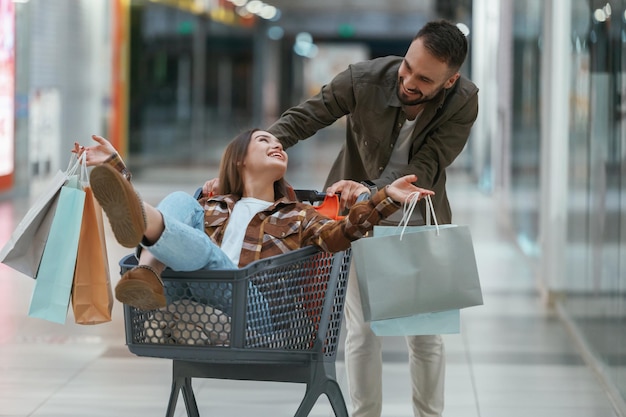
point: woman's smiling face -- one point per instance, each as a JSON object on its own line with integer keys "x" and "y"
{"x": 265, "y": 152}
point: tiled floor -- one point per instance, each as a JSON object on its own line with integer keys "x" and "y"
{"x": 512, "y": 357}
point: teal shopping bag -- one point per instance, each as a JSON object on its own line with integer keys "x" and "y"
{"x": 441, "y": 322}
{"x": 53, "y": 286}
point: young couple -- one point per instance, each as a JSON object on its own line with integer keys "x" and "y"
{"x": 254, "y": 216}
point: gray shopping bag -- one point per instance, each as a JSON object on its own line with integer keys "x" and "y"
{"x": 403, "y": 271}
{"x": 24, "y": 249}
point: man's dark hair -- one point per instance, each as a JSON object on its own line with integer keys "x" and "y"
{"x": 445, "y": 41}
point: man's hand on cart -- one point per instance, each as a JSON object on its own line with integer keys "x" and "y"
{"x": 399, "y": 190}
{"x": 348, "y": 191}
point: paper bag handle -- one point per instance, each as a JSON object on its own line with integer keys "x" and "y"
{"x": 409, "y": 206}
{"x": 78, "y": 166}
{"x": 73, "y": 165}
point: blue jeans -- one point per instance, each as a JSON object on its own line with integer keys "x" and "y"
{"x": 184, "y": 246}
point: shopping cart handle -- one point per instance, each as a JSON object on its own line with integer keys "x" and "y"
{"x": 310, "y": 195}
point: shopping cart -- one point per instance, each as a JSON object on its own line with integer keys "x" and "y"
{"x": 277, "y": 319}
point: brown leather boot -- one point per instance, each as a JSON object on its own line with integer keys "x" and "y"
{"x": 142, "y": 288}
{"x": 120, "y": 202}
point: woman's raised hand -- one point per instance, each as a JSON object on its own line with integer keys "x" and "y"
{"x": 96, "y": 154}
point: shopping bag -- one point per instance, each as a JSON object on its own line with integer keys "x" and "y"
{"x": 403, "y": 271}
{"x": 53, "y": 285}
{"x": 92, "y": 298}
{"x": 24, "y": 249}
{"x": 441, "y": 322}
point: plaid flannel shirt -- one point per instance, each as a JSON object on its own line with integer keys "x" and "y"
{"x": 288, "y": 225}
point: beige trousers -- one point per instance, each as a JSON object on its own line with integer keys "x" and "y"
{"x": 363, "y": 353}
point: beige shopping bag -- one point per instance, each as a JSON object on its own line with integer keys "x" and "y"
{"x": 92, "y": 298}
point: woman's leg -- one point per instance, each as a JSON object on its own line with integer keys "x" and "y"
{"x": 174, "y": 243}
{"x": 148, "y": 259}
{"x": 175, "y": 235}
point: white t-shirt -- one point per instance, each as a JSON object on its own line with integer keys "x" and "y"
{"x": 399, "y": 158}
{"x": 400, "y": 153}
{"x": 243, "y": 211}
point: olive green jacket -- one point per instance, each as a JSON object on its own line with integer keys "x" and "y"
{"x": 366, "y": 94}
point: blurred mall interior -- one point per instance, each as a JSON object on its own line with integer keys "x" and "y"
{"x": 170, "y": 82}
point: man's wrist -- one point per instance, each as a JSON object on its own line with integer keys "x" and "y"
{"x": 371, "y": 186}
{"x": 393, "y": 200}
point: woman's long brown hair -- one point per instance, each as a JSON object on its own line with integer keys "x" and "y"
{"x": 231, "y": 180}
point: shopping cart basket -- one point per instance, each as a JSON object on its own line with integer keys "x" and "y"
{"x": 212, "y": 328}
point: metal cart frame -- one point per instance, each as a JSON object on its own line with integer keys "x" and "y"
{"x": 305, "y": 292}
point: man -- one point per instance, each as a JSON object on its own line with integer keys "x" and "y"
{"x": 408, "y": 115}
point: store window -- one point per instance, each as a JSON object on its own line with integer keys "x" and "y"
{"x": 525, "y": 145}
{"x": 596, "y": 242}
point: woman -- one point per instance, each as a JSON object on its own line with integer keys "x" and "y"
{"x": 254, "y": 216}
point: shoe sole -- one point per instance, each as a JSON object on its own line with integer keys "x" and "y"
{"x": 120, "y": 203}
{"x": 138, "y": 294}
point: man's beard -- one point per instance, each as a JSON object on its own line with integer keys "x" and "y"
{"x": 422, "y": 99}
